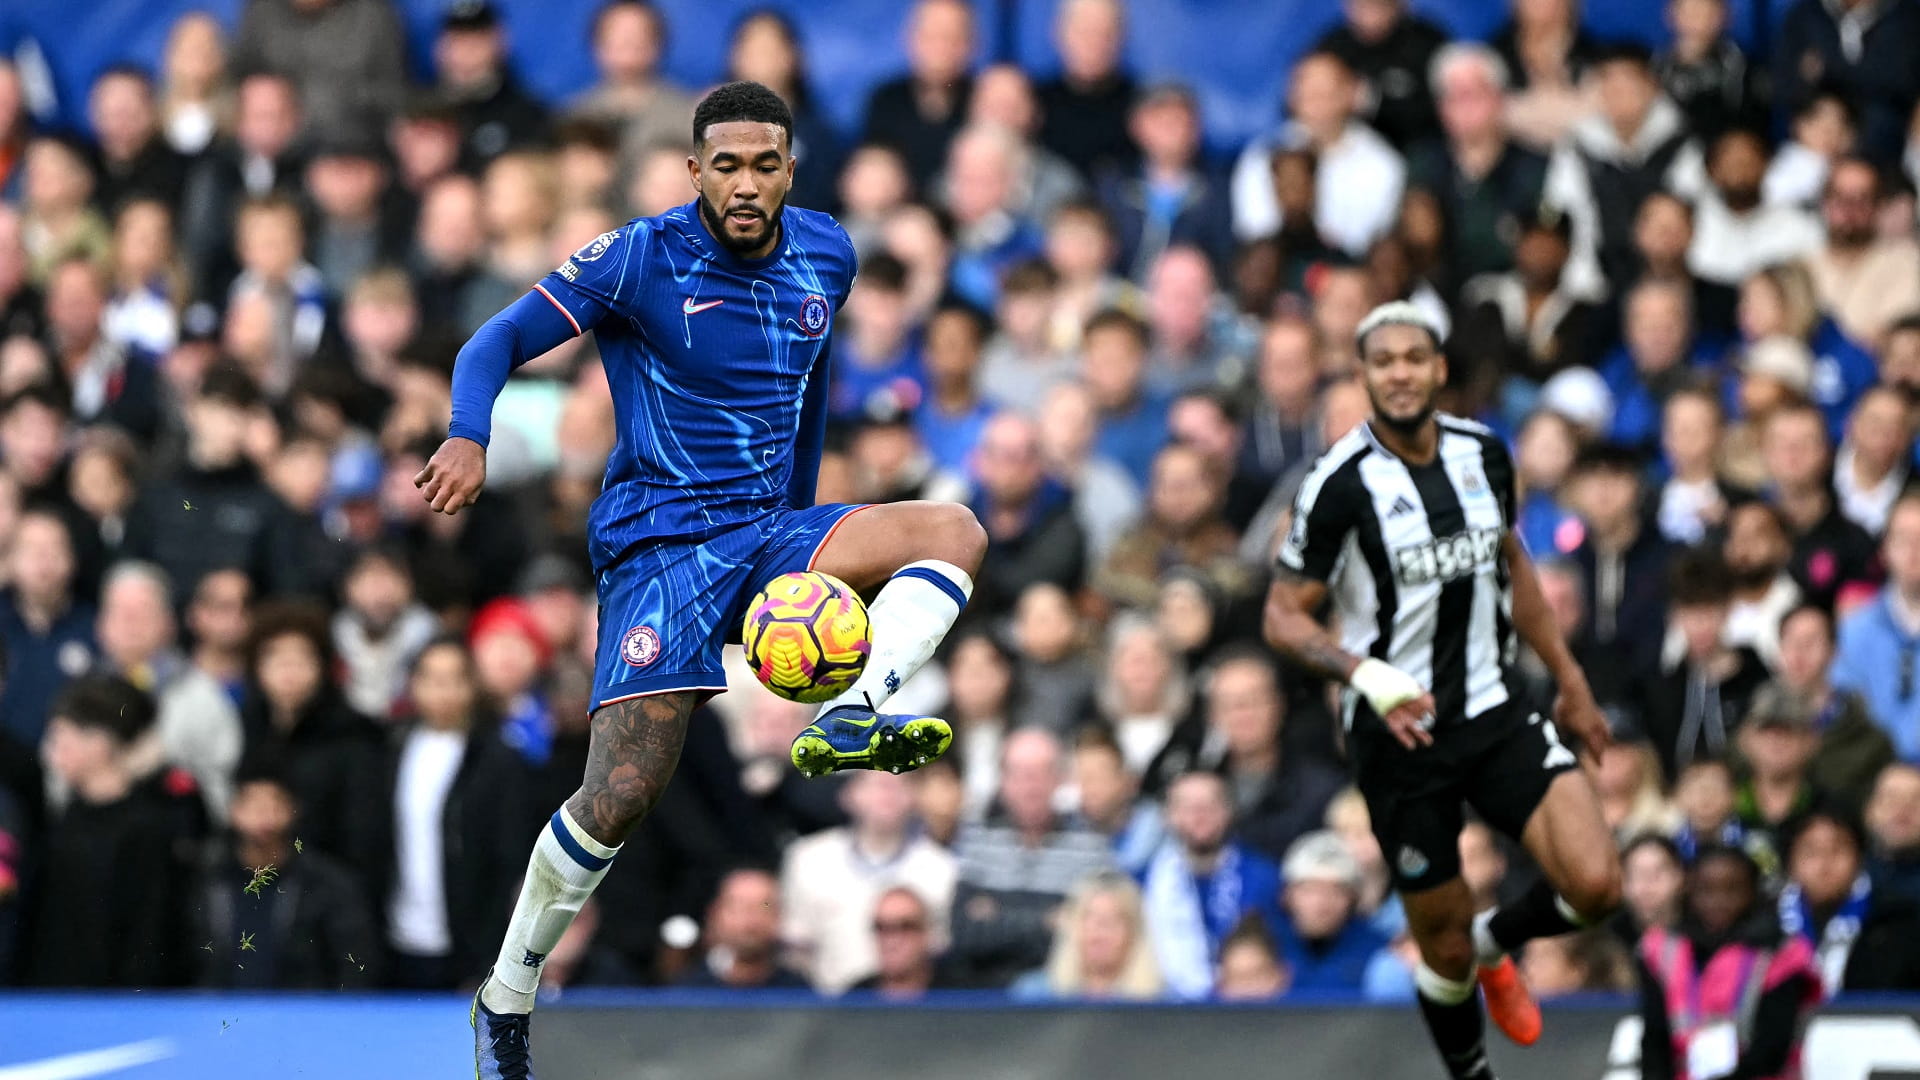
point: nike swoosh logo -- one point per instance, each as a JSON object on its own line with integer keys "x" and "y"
{"x": 692, "y": 308}
{"x": 101, "y": 1062}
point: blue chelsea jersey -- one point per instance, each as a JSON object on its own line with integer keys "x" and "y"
{"x": 712, "y": 360}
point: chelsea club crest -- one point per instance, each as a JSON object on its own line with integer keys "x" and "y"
{"x": 813, "y": 315}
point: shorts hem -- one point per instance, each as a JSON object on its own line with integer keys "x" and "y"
{"x": 711, "y": 682}
{"x": 814, "y": 558}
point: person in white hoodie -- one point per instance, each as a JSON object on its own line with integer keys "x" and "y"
{"x": 1361, "y": 177}
{"x": 1636, "y": 144}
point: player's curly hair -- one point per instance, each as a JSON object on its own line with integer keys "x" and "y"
{"x": 749, "y": 101}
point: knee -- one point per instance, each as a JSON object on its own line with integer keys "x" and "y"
{"x": 1592, "y": 889}
{"x": 963, "y": 537}
{"x": 1449, "y": 952}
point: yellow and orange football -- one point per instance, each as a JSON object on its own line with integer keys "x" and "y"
{"x": 806, "y": 636}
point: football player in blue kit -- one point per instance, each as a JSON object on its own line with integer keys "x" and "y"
{"x": 715, "y": 323}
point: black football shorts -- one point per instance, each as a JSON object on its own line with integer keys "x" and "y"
{"x": 1500, "y": 762}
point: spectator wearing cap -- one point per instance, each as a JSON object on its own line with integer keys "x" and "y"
{"x": 1878, "y": 655}
{"x": 1829, "y": 552}
{"x": 1084, "y": 110}
{"x": 832, "y": 881}
{"x": 1874, "y": 464}
{"x": 629, "y": 43}
{"x": 1692, "y": 704}
{"x": 455, "y": 807}
{"x": 214, "y": 510}
{"x": 46, "y": 628}
{"x": 1777, "y": 744}
{"x": 1636, "y": 143}
{"x": 109, "y": 903}
{"x": 1736, "y": 232}
{"x": 1893, "y": 826}
{"x": 295, "y": 714}
{"x": 1201, "y": 884}
{"x": 308, "y": 928}
{"x": 1527, "y": 322}
{"x": 513, "y": 653}
{"x": 358, "y": 225}
{"x": 263, "y": 157}
{"x": 1171, "y": 198}
{"x": 1859, "y": 51}
{"x": 1621, "y": 557}
{"x": 1325, "y": 942}
{"x": 1862, "y": 937}
{"x": 1019, "y": 864}
{"x": 1780, "y": 300}
{"x": 379, "y": 630}
{"x": 919, "y": 112}
{"x": 470, "y": 61}
{"x": 1359, "y": 178}
{"x": 1484, "y": 182}
{"x": 1865, "y": 278}
{"x": 347, "y": 58}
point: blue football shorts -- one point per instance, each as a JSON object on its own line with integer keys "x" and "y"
{"x": 667, "y": 608}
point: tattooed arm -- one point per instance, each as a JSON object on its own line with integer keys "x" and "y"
{"x": 1291, "y": 628}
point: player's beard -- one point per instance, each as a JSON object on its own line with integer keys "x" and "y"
{"x": 717, "y": 225}
{"x": 1404, "y": 425}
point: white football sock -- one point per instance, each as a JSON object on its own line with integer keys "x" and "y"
{"x": 906, "y": 622}
{"x": 567, "y": 865}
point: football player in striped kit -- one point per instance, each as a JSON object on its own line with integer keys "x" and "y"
{"x": 1405, "y": 527}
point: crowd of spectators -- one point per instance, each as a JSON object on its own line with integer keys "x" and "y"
{"x": 268, "y": 723}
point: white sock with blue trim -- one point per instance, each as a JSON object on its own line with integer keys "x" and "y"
{"x": 906, "y": 622}
{"x": 566, "y": 867}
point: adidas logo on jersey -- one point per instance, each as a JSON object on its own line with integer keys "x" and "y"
{"x": 1401, "y": 506}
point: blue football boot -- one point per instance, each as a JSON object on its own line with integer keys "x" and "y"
{"x": 856, "y": 737}
{"x": 501, "y": 1048}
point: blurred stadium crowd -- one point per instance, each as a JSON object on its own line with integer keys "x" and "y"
{"x": 268, "y": 723}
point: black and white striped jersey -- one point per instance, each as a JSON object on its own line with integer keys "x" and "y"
{"x": 1412, "y": 558}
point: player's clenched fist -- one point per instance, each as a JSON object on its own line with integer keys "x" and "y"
{"x": 453, "y": 478}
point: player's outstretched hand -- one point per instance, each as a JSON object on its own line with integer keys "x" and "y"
{"x": 1412, "y": 722}
{"x": 1575, "y": 711}
{"x": 453, "y": 478}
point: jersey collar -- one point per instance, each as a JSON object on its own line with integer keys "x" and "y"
{"x": 696, "y": 231}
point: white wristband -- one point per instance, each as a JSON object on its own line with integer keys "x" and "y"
{"x": 1385, "y": 687}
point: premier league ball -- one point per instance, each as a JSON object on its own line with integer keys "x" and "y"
{"x": 806, "y": 636}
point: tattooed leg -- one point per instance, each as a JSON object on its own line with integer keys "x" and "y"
{"x": 634, "y": 748}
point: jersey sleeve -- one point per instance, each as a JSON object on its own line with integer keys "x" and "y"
{"x": 599, "y": 278}
{"x": 853, "y": 265}
{"x": 1323, "y": 515}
